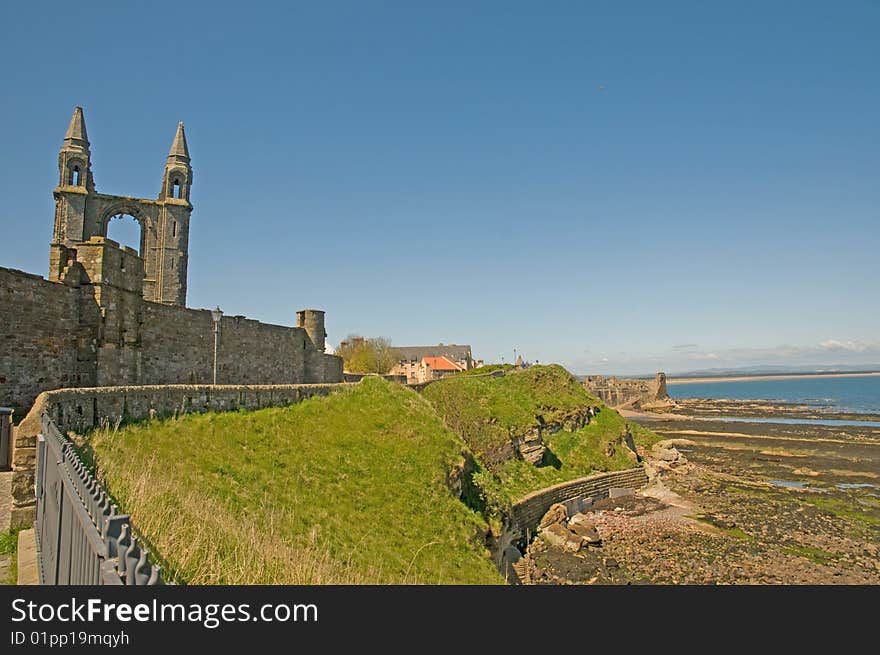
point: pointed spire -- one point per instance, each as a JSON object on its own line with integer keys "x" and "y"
{"x": 179, "y": 150}
{"x": 76, "y": 135}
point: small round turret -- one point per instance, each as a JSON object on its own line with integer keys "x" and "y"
{"x": 312, "y": 321}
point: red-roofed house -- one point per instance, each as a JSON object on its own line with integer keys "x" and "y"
{"x": 440, "y": 366}
{"x": 423, "y": 363}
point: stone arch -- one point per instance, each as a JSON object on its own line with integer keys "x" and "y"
{"x": 78, "y": 165}
{"x": 129, "y": 208}
{"x": 182, "y": 175}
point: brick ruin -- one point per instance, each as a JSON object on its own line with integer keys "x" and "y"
{"x": 109, "y": 315}
{"x": 630, "y": 393}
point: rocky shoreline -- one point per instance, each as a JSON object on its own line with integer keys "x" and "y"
{"x": 711, "y": 408}
{"x": 731, "y": 503}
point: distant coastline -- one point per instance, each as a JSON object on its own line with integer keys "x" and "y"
{"x": 769, "y": 376}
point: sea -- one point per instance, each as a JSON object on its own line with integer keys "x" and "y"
{"x": 859, "y": 394}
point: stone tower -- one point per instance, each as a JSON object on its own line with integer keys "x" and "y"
{"x": 312, "y": 321}
{"x": 82, "y": 213}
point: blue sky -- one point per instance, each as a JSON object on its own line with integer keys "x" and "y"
{"x": 617, "y": 186}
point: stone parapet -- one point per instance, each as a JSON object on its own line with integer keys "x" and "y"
{"x": 527, "y": 512}
{"x": 80, "y": 410}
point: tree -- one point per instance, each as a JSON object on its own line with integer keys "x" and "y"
{"x": 367, "y": 355}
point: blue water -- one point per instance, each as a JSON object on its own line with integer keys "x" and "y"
{"x": 790, "y": 421}
{"x": 844, "y": 394}
{"x": 787, "y": 483}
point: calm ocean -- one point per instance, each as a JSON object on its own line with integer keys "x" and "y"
{"x": 851, "y": 394}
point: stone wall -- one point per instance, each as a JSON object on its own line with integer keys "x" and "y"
{"x": 634, "y": 393}
{"x": 357, "y": 377}
{"x": 178, "y": 348}
{"x": 527, "y": 512}
{"x": 93, "y": 328}
{"x": 80, "y": 410}
{"x": 44, "y": 339}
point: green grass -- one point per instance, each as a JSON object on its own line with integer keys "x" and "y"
{"x": 356, "y": 488}
{"x": 489, "y": 368}
{"x": 351, "y": 488}
{"x": 9, "y": 548}
{"x": 813, "y": 554}
{"x": 844, "y": 509}
{"x": 574, "y": 455}
{"x": 736, "y": 533}
{"x": 487, "y": 412}
{"x": 643, "y": 436}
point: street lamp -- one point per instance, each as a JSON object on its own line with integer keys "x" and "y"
{"x": 216, "y": 315}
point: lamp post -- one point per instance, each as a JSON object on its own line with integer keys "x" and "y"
{"x": 216, "y": 315}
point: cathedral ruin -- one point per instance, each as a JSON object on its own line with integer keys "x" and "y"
{"x": 111, "y": 315}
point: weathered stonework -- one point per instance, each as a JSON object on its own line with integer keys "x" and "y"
{"x": 526, "y": 514}
{"x": 80, "y": 410}
{"x": 109, "y": 316}
{"x": 530, "y": 446}
{"x": 634, "y": 393}
{"x": 82, "y": 213}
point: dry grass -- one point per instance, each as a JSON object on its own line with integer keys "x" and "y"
{"x": 349, "y": 489}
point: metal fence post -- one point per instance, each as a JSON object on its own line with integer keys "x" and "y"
{"x": 5, "y": 438}
{"x": 81, "y": 536}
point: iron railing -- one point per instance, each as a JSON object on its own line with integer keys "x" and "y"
{"x": 82, "y": 539}
{"x": 5, "y": 438}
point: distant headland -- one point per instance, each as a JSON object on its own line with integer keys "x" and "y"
{"x": 764, "y": 376}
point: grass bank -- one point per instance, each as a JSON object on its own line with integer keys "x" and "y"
{"x": 8, "y": 552}
{"x": 354, "y": 488}
{"x": 359, "y": 487}
{"x": 487, "y": 412}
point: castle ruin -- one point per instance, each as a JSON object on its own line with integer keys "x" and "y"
{"x": 110, "y": 315}
{"x": 628, "y": 393}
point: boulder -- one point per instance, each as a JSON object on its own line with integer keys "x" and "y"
{"x": 557, "y": 514}
{"x": 586, "y": 531}
{"x": 531, "y": 446}
{"x": 577, "y": 505}
{"x": 560, "y": 536}
{"x": 666, "y": 454}
{"x": 512, "y": 554}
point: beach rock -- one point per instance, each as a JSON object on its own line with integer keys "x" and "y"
{"x": 586, "y": 531}
{"x": 666, "y": 454}
{"x": 669, "y": 443}
{"x": 556, "y": 514}
{"x": 577, "y": 505}
{"x": 560, "y": 536}
{"x": 531, "y": 446}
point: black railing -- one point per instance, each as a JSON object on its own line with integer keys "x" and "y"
{"x": 82, "y": 538}
{"x": 5, "y": 438}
